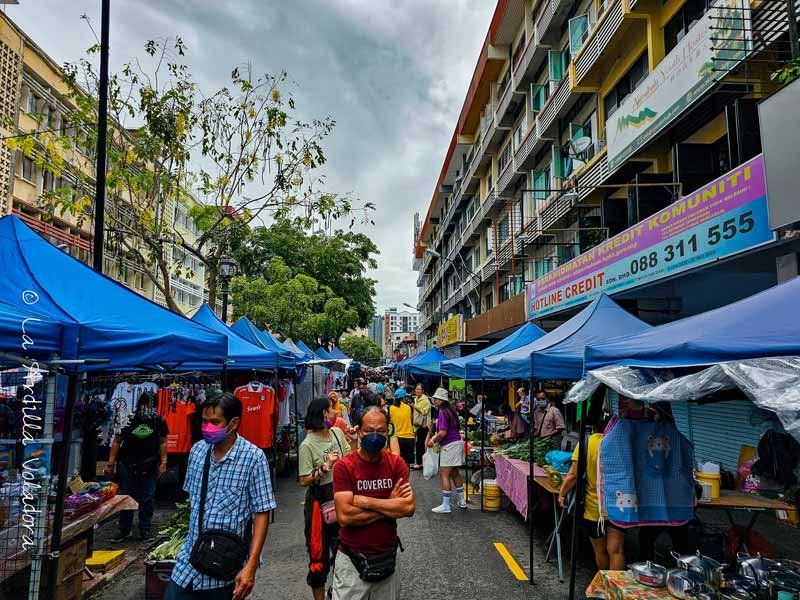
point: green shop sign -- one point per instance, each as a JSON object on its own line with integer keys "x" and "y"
{"x": 714, "y": 46}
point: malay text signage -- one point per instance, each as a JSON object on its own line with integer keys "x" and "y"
{"x": 450, "y": 332}
{"x": 726, "y": 216}
{"x": 711, "y": 48}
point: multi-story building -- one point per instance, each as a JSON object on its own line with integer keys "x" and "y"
{"x": 583, "y": 120}
{"x": 35, "y": 97}
{"x": 397, "y": 327}
{"x": 375, "y": 330}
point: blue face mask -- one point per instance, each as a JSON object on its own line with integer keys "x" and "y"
{"x": 541, "y": 403}
{"x": 372, "y": 443}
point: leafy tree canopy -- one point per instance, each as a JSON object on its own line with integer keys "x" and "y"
{"x": 362, "y": 349}
{"x": 297, "y": 306}
{"x": 339, "y": 261}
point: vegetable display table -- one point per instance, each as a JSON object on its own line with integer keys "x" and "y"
{"x": 619, "y": 585}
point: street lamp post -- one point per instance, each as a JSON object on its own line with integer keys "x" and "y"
{"x": 227, "y": 271}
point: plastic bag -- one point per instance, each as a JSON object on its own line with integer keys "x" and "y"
{"x": 430, "y": 463}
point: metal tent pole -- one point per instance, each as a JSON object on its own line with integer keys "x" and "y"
{"x": 530, "y": 487}
{"x": 579, "y": 491}
{"x": 102, "y": 145}
{"x": 73, "y": 390}
{"x": 483, "y": 441}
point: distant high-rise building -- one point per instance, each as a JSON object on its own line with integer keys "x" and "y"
{"x": 397, "y": 325}
{"x": 375, "y": 330}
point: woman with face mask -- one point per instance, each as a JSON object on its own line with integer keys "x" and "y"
{"x": 324, "y": 445}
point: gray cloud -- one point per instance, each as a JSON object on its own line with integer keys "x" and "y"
{"x": 393, "y": 74}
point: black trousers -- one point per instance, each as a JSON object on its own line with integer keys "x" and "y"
{"x": 422, "y": 433}
{"x": 407, "y": 450}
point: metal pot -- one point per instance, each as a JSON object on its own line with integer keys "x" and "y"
{"x": 710, "y": 569}
{"x": 684, "y": 584}
{"x": 756, "y": 568}
{"x": 738, "y": 588}
{"x": 649, "y": 574}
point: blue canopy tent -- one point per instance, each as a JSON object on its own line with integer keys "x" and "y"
{"x": 559, "y": 354}
{"x": 291, "y": 345}
{"x": 337, "y": 353}
{"x": 309, "y": 352}
{"x": 323, "y": 354}
{"x": 247, "y": 329}
{"x": 101, "y": 318}
{"x": 763, "y": 325}
{"x": 242, "y": 354}
{"x": 471, "y": 367}
{"x": 425, "y": 363}
{"x": 25, "y": 333}
{"x": 299, "y": 355}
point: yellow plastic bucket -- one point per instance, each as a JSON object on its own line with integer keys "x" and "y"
{"x": 491, "y": 495}
{"x": 713, "y": 479}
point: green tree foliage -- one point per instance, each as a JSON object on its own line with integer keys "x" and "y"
{"x": 338, "y": 261}
{"x": 296, "y": 306}
{"x": 362, "y": 349}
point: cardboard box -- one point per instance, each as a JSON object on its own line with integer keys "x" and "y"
{"x": 71, "y": 560}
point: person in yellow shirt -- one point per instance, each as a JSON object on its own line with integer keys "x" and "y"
{"x": 400, "y": 416}
{"x": 608, "y": 540}
{"x": 421, "y": 420}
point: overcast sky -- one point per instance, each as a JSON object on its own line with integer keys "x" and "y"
{"x": 392, "y": 73}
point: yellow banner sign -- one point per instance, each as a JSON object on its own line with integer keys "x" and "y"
{"x": 450, "y": 332}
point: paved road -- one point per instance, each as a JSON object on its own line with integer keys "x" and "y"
{"x": 447, "y": 556}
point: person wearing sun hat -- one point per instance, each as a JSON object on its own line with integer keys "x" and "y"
{"x": 446, "y": 433}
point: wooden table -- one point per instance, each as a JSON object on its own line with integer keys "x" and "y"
{"x": 732, "y": 501}
{"x": 18, "y": 558}
{"x": 619, "y": 585}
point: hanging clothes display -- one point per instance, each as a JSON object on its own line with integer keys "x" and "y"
{"x": 646, "y": 474}
{"x": 178, "y": 408}
{"x": 258, "y": 413}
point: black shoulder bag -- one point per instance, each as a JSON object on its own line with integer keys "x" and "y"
{"x": 216, "y": 553}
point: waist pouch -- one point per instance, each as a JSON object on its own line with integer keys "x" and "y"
{"x": 374, "y": 568}
{"x": 219, "y": 554}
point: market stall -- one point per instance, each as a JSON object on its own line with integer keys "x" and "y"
{"x": 750, "y": 347}
{"x": 559, "y": 355}
{"x": 57, "y": 296}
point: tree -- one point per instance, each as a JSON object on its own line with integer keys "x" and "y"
{"x": 295, "y": 306}
{"x": 362, "y": 349}
{"x": 241, "y": 151}
{"x": 339, "y": 261}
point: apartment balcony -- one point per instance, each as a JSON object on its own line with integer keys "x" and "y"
{"x": 556, "y": 107}
{"x": 494, "y": 202}
{"x": 532, "y": 58}
{"x": 489, "y": 268}
{"x": 506, "y": 175}
{"x": 505, "y": 315}
{"x": 505, "y": 117}
{"x": 510, "y": 249}
{"x": 594, "y": 173}
{"x": 531, "y": 144}
{"x": 587, "y": 62}
{"x": 550, "y": 20}
{"x": 473, "y": 228}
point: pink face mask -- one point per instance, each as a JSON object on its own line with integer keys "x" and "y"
{"x": 214, "y": 434}
{"x": 331, "y": 422}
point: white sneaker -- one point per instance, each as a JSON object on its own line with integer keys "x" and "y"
{"x": 462, "y": 504}
{"x": 441, "y": 510}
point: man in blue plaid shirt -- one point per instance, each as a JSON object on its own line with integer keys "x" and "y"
{"x": 239, "y": 492}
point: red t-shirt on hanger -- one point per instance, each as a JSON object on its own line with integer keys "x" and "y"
{"x": 178, "y": 415}
{"x": 258, "y": 414}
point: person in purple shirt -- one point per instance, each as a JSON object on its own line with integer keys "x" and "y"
{"x": 446, "y": 433}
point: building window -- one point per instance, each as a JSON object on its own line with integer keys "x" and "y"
{"x": 33, "y": 103}
{"x": 629, "y": 82}
{"x": 28, "y": 169}
{"x": 505, "y": 157}
{"x": 683, "y": 20}
{"x": 489, "y": 241}
{"x": 503, "y": 230}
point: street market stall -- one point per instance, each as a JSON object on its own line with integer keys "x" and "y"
{"x": 559, "y": 355}
{"x": 751, "y": 346}
{"x": 85, "y": 322}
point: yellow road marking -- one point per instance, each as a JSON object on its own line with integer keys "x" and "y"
{"x": 511, "y": 563}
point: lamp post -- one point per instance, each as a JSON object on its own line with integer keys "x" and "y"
{"x": 227, "y": 271}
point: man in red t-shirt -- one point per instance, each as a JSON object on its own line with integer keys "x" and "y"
{"x": 371, "y": 491}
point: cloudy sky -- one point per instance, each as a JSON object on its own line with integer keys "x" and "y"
{"x": 392, "y": 73}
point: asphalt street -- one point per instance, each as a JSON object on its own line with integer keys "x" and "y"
{"x": 446, "y": 556}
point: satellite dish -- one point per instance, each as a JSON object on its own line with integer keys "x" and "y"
{"x": 581, "y": 145}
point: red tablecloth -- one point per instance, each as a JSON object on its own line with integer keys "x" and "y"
{"x": 512, "y": 477}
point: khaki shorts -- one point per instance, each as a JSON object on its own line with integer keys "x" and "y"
{"x": 452, "y": 455}
{"x": 347, "y": 585}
